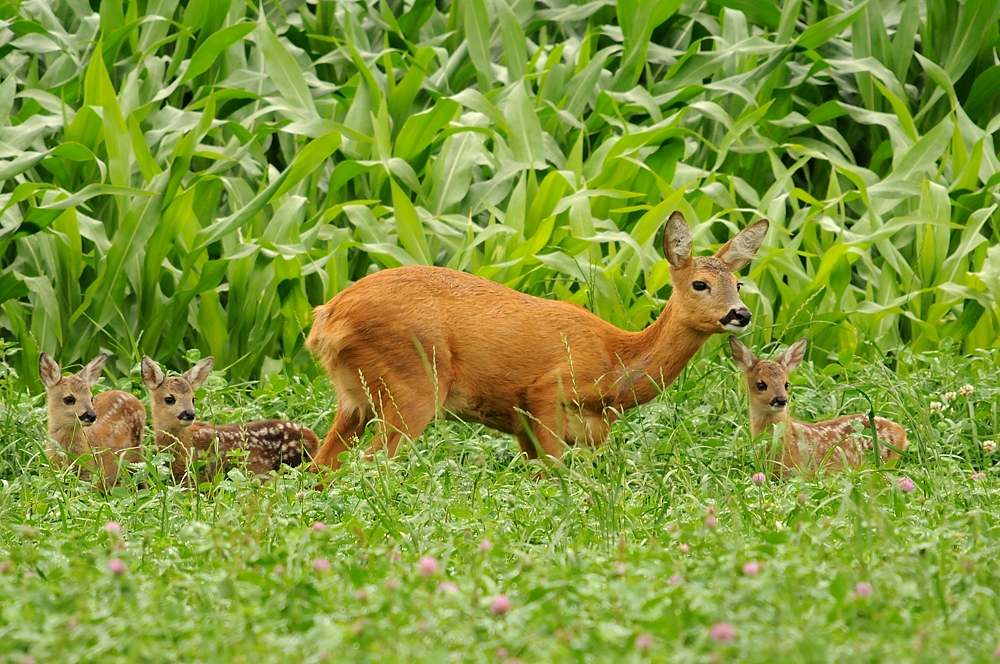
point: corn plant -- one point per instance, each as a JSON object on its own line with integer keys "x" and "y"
{"x": 200, "y": 174}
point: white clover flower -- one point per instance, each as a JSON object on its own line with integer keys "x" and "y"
{"x": 989, "y": 446}
{"x": 966, "y": 390}
{"x": 948, "y": 397}
{"x": 937, "y": 407}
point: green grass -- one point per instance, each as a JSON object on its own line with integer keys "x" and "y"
{"x": 585, "y": 555}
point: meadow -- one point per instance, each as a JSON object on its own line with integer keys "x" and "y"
{"x": 634, "y": 552}
{"x": 183, "y": 178}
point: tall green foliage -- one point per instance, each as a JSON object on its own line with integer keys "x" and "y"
{"x": 196, "y": 174}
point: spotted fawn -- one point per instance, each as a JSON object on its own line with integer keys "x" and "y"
{"x": 833, "y": 443}
{"x": 268, "y": 443}
{"x": 96, "y": 434}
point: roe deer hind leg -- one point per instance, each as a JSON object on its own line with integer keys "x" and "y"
{"x": 527, "y": 445}
{"x": 402, "y": 411}
{"x": 348, "y": 426}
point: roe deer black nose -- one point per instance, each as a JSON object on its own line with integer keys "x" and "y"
{"x": 739, "y": 317}
{"x": 779, "y": 402}
{"x": 186, "y": 416}
{"x": 89, "y": 417}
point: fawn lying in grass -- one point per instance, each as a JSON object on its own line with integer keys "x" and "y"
{"x": 834, "y": 443}
{"x": 101, "y": 431}
{"x": 405, "y": 345}
{"x": 269, "y": 443}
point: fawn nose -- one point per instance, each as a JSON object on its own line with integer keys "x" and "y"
{"x": 89, "y": 417}
{"x": 779, "y": 402}
{"x": 186, "y": 416}
{"x": 739, "y": 317}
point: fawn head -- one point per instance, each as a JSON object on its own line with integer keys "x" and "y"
{"x": 767, "y": 381}
{"x": 705, "y": 287}
{"x": 172, "y": 398}
{"x": 69, "y": 397}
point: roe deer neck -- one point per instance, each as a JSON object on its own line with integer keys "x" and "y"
{"x": 653, "y": 358}
{"x": 168, "y": 434}
{"x": 761, "y": 421}
{"x": 68, "y": 436}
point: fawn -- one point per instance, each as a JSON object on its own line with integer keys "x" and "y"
{"x": 269, "y": 443}
{"x": 833, "y": 443}
{"x": 407, "y": 344}
{"x": 108, "y": 427}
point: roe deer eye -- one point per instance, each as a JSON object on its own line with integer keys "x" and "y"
{"x": 739, "y": 285}
{"x": 786, "y": 386}
{"x": 69, "y": 401}
{"x": 699, "y": 285}
{"x": 169, "y": 400}
{"x": 761, "y": 385}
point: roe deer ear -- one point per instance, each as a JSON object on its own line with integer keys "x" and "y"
{"x": 740, "y": 250}
{"x": 792, "y": 358}
{"x": 677, "y": 240}
{"x": 48, "y": 370}
{"x": 744, "y": 357}
{"x": 92, "y": 371}
{"x": 199, "y": 373}
{"x": 152, "y": 374}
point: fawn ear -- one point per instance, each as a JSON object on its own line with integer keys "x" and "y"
{"x": 199, "y": 373}
{"x": 677, "y": 240}
{"x": 48, "y": 370}
{"x": 740, "y": 250}
{"x": 152, "y": 374}
{"x": 92, "y": 371}
{"x": 744, "y": 357}
{"x": 793, "y": 357}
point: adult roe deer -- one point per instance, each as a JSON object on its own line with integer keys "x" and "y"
{"x": 413, "y": 341}
{"x": 833, "y": 443}
{"x": 269, "y": 443}
{"x": 108, "y": 428}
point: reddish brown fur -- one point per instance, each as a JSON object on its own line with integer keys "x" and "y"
{"x": 407, "y": 344}
{"x": 268, "y": 443}
{"x": 114, "y": 437}
{"x": 833, "y": 443}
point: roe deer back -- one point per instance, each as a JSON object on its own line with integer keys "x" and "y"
{"x": 407, "y": 344}
{"x": 807, "y": 446}
{"x": 107, "y": 428}
{"x": 269, "y": 443}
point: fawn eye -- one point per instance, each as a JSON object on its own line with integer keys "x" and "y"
{"x": 761, "y": 385}
{"x": 739, "y": 285}
{"x": 786, "y": 386}
{"x": 169, "y": 400}
{"x": 699, "y": 285}
{"x": 69, "y": 401}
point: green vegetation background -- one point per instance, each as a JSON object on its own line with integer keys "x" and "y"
{"x": 190, "y": 178}
{"x": 196, "y": 174}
